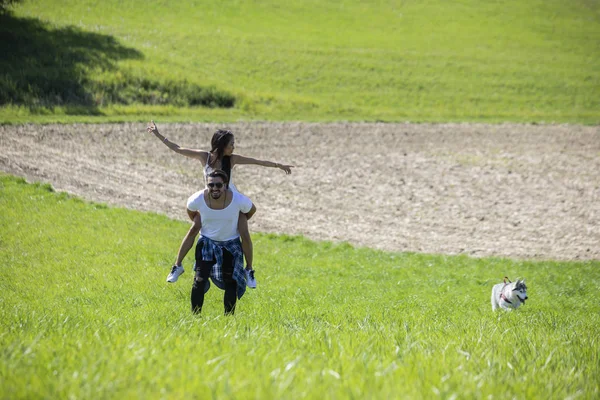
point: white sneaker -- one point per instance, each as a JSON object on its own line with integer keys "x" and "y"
{"x": 175, "y": 272}
{"x": 250, "y": 280}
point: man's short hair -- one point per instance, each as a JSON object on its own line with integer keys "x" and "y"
{"x": 217, "y": 173}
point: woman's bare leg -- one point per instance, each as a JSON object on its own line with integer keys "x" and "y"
{"x": 246, "y": 240}
{"x": 186, "y": 245}
{"x": 188, "y": 240}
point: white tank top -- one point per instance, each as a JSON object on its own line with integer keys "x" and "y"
{"x": 208, "y": 169}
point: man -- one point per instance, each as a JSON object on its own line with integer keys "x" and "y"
{"x": 219, "y": 250}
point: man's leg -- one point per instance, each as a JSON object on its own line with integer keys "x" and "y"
{"x": 202, "y": 273}
{"x": 230, "y": 296}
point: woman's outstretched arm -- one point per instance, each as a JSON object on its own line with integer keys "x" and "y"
{"x": 198, "y": 154}
{"x": 236, "y": 159}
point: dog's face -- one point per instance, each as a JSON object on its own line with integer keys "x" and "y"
{"x": 519, "y": 289}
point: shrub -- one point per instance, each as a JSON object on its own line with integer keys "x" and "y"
{"x": 5, "y": 4}
{"x": 124, "y": 89}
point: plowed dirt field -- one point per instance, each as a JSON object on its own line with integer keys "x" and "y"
{"x": 520, "y": 191}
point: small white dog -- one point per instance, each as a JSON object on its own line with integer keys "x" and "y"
{"x": 509, "y": 295}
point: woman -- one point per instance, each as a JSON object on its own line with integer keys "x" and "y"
{"x": 220, "y": 157}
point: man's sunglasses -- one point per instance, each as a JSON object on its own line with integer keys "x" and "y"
{"x": 218, "y": 185}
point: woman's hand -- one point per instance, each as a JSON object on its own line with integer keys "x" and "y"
{"x": 237, "y": 159}
{"x": 152, "y": 128}
{"x": 286, "y": 168}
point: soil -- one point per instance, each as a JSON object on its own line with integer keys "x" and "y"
{"x": 518, "y": 191}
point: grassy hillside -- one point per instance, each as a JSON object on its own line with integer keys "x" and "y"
{"x": 305, "y": 60}
{"x": 86, "y": 313}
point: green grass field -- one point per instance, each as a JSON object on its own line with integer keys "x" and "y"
{"x": 89, "y": 61}
{"x": 84, "y": 308}
{"x": 86, "y": 313}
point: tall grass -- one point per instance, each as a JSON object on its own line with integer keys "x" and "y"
{"x": 352, "y": 60}
{"x": 86, "y": 313}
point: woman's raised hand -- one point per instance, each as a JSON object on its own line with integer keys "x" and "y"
{"x": 152, "y": 127}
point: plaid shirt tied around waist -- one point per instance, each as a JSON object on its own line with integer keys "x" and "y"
{"x": 213, "y": 250}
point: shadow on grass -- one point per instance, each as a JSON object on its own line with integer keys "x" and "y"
{"x": 43, "y": 66}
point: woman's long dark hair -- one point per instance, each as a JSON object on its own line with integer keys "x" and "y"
{"x": 219, "y": 141}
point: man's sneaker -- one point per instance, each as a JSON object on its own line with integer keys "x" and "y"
{"x": 250, "y": 280}
{"x": 175, "y": 272}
